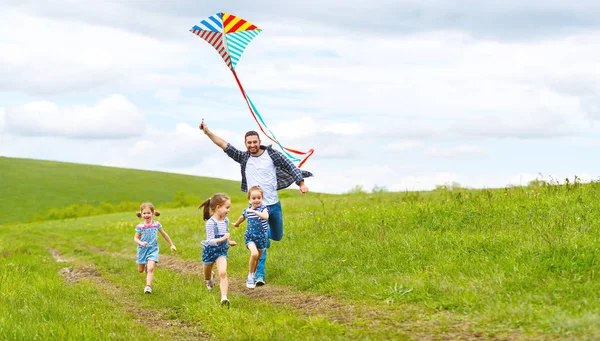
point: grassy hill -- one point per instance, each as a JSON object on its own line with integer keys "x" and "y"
{"x": 516, "y": 263}
{"x": 29, "y": 187}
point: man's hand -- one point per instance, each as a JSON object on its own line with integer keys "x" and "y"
{"x": 303, "y": 188}
{"x": 216, "y": 140}
{"x": 204, "y": 128}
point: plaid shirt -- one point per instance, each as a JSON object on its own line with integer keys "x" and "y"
{"x": 287, "y": 173}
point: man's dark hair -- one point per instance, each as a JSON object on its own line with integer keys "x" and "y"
{"x": 251, "y": 133}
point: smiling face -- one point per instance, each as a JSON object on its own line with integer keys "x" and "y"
{"x": 223, "y": 210}
{"x": 255, "y": 197}
{"x": 147, "y": 215}
{"x": 253, "y": 144}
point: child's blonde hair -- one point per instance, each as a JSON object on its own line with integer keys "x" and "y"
{"x": 255, "y": 188}
{"x": 147, "y": 205}
{"x": 211, "y": 203}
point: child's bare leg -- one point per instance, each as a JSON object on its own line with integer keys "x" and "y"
{"x": 224, "y": 281}
{"x": 150, "y": 276}
{"x": 207, "y": 271}
{"x": 260, "y": 252}
{"x": 141, "y": 267}
{"x": 254, "y": 256}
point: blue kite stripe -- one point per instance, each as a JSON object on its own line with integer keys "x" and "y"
{"x": 234, "y": 42}
{"x": 216, "y": 21}
{"x": 237, "y": 43}
{"x": 241, "y": 40}
{"x": 209, "y": 26}
{"x": 235, "y": 49}
{"x": 213, "y": 23}
{"x": 235, "y": 55}
{"x": 247, "y": 35}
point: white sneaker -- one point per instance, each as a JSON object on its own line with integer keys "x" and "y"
{"x": 260, "y": 281}
{"x": 147, "y": 290}
{"x": 250, "y": 283}
{"x": 210, "y": 284}
{"x": 225, "y": 302}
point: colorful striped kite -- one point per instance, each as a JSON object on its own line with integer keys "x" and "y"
{"x": 230, "y": 35}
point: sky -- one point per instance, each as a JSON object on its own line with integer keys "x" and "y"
{"x": 401, "y": 95}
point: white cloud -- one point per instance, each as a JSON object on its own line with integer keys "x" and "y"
{"x": 381, "y": 175}
{"x": 48, "y": 56}
{"x": 216, "y": 166}
{"x": 112, "y": 117}
{"x": 2, "y": 119}
{"x": 461, "y": 151}
{"x": 402, "y": 146}
{"x": 308, "y": 126}
{"x": 170, "y": 96}
{"x": 423, "y": 182}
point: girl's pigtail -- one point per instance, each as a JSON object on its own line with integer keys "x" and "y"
{"x": 139, "y": 214}
{"x": 206, "y": 205}
{"x": 156, "y": 213}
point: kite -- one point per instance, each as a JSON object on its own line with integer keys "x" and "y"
{"x": 230, "y": 35}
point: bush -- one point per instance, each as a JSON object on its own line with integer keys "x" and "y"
{"x": 85, "y": 210}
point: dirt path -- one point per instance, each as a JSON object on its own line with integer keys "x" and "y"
{"x": 392, "y": 319}
{"x": 172, "y": 329}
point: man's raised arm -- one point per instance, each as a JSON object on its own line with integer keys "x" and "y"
{"x": 217, "y": 140}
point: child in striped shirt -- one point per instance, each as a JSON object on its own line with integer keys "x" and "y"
{"x": 216, "y": 245}
{"x": 256, "y": 235}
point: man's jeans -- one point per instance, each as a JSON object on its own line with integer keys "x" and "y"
{"x": 275, "y": 233}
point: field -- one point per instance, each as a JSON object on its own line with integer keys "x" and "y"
{"x": 505, "y": 264}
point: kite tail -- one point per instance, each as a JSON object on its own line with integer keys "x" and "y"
{"x": 259, "y": 120}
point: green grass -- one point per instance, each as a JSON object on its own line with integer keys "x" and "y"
{"x": 37, "y": 305}
{"x": 518, "y": 263}
{"x": 29, "y": 187}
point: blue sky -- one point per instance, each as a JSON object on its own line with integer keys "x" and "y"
{"x": 400, "y": 94}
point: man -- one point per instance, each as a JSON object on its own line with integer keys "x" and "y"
{"x": 269, "y": 169}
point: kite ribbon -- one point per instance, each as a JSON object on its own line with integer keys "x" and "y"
{"x": 271, "y": 136}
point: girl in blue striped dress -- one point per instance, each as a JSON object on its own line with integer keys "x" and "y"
{"x": 216, "y": 245}
{"x": 256, "y": 236}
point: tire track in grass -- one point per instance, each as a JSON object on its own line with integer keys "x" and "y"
{"x": 441, "y": 325}
{"x": 173, "y": 329}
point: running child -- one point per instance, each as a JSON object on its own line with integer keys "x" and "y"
{"x": 146, "y": 236}
{"x": 256, "y": 235}
{"x": 216, "y": 245}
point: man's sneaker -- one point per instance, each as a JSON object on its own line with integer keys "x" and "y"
{"x": 225, "y": 303}
{"x": 147, "y": 290}
{"x": 211, "y": 282}
{"x": 260, "y": 281}
{"x": 250, "y": 283}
